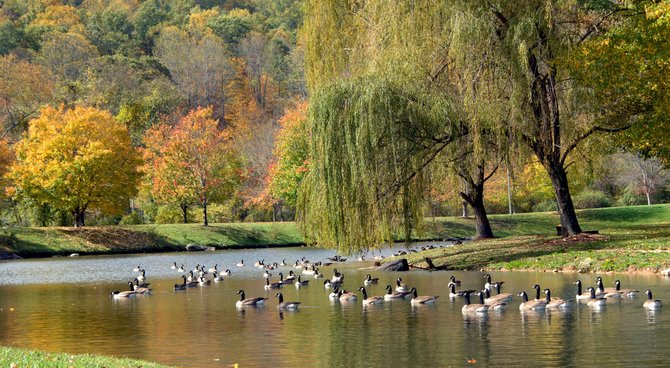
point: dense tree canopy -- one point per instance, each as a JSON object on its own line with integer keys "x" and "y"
{"x": 75, "y": 160}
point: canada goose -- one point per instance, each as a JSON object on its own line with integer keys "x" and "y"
{"x": 272, "y": 285}
{"x": 300, "y": 283}
{"x": 283, "y": 262}
{"x": 317, "y": 274}
{"x": 650, "y": 303}
{"x": 258, "y": 263}
{"x": 189, "y": 283}
{"x": 532, "y": 304}
{"x": 453, "y": 293}
{"x": 180, "y": 286}
{"x": 390, "y": 294}
{"x": 137, "y": 268}
{"x": 453, "y": 279}
{"x": 298, "y": 265}
{"x": 555, "y": 303}
{"x": 267, "y": 274}
{"x": 327, "y": 284}
{"x": 196, "y": 268}
{"x": 202, "y": 281}
{"x": 335, "y": 294}
{"x": 137, "y": 284}
{"x": 250, "y": 301}
{"x": 370, "y": 300}
{"x": 138, "y": 289}
{"x": 537, "y": 292}
{"x": 346, "y": 296}
{"x": 217, "y": 277}
{"x": 594, "y": 300}
{"x": 142, "y": 276}
{"x": 123, "y": 294}
{"x": 286, "y": 305}
{"x": 240, "y": 263}
{"x": 585, "y": 296}
{"x": 608, "y": 292}
{"x": 400, "y": 286}
{"x": 181, "y": 269}
{"x": 174, "y": 266}
{"x": 225, "y": 273}
{"x": 422, "y": 299}
{"x": 282, "y": 281}
{"x": 473, "y": 308}
{"x": 625, "y": 292}
{"x": 369, "y": 280}
{"x": 337, "y": 276}
{"x": 307, "y": 271}
{"x": 503, "y": 297}
{"x": 291, "y": 277}
{"x": 214, "y": 269}
{"x": 489, "y": 283}
{"x": 191, "y": 276}
{"x": 494, "y": 300}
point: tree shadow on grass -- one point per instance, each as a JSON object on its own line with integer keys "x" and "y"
{"x": 244, "y": 236}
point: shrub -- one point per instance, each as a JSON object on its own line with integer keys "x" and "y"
{"x": 592, "y": 199}
{"x": 545, "y": 206}
{"x": 168, "y": 215}
{"x": 630, "y": 198}
{"x": 133, "y": 218}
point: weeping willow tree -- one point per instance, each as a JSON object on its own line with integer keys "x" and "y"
{"x": 371, "y": 141}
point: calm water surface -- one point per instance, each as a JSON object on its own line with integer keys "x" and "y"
{"x": 64, "y": 305}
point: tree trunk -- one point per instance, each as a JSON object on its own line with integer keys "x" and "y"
{"x": 648, "y": 198}
{"x": 204, "y": 212}
{"x": 79, "y": 216}
{"x": 559, "y": 180}
{"x": 483, "y": 225}
{"x": 184, "y": 212}
{"x": 464, "y": 205}
{"x": 474, "y": 196}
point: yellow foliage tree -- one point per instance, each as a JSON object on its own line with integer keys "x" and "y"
{"x": 76, "y": 159}
{"x": 6, "y": 158}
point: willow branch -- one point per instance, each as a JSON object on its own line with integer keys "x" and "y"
{"x": 587, "y": 134}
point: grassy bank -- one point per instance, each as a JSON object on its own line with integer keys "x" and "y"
{"x": 41, "y": 242}
{"x": 20, "y": 358}
{"x": 630, "y": 239}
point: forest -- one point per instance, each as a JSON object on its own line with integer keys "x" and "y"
{"x": 356, "y": 118}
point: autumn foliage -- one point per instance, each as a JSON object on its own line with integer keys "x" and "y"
{"x": 191, "y": 162}
{"x": 74, "y": 160}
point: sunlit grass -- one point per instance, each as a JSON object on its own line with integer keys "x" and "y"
{"x": 22, "y": 358}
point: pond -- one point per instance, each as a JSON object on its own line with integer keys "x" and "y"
{"x": 64, "y": 305}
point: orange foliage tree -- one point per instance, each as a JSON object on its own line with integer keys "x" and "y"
{"x": 191, "y": 162}
{"x": 291, "y": 151}
{"x": 76, "y": 159}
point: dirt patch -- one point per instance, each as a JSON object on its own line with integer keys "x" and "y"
{"x": 574, "y": 240}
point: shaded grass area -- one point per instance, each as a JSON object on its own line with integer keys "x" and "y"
{"x": 41, "y": 242}
{"x": 20, "y": 358}
{"x": 631, "y": 239}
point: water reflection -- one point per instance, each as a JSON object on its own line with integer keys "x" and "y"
{"x": 75, "y": 317}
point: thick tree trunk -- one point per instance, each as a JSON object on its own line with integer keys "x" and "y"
{"x": 184, "y": 212}
{"x": 79, "y": 216}
{"x": 474, "y": 196}
{"x": 559, "y": 180}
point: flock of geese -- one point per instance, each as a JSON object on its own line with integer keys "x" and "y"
{"x": 200, "y": 276}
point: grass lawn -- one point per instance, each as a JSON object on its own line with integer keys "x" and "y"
{"x": 631, "y": 239}
{"x": 21, "y": 358}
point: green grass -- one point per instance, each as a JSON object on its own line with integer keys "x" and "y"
{"x": 631, "y": 239}
{"x": 634, "y": 238}
{"x": 22, "y": 358}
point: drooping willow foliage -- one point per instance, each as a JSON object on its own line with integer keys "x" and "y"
{"x": 371, "y": 140}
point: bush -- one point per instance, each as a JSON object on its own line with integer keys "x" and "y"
{"x": 630, "y": 198}
{"x": 133, "y": 218}
{"x": 168, "y": 215}
{"x": 545, "y": 206}
{"x": 592, "y": 199}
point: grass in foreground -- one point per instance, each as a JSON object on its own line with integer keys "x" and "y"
{"x": 22, "y": 358}
{"x": 631, "y": 239}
